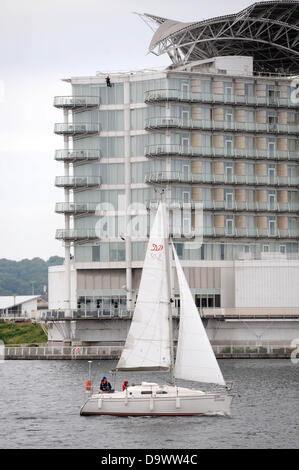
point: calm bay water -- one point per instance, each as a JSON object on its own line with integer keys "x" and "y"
{"x": 40, "y": 403}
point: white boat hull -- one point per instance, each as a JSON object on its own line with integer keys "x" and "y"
{"x": 160, "y": 401}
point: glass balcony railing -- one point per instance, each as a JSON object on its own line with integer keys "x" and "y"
{"x": 77, "y": 128}
{"x": 257, "y": 206}
{"x": 76, "y": 207}
{"x": 233, "y": 206}
{"x": 76, "y": 234}
{"x": 233, "y": 126}
{"x": 234, "y": 232}
{"x": 160, "y": 150}
{"x": 192, "y": 178}
{"x": 222, "y": 98}
{"x": 76, "y": 101}
{"x": 77, "y": 155}
{"x": 77, "y": 181}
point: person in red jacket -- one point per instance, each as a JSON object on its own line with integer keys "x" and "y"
{"x": 125, "y": 385}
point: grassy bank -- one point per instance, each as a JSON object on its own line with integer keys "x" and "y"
{"x": 22, "y": 333}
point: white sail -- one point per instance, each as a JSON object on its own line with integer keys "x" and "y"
{"x": 195, "y": 358}
{"x": 147, "y": 346}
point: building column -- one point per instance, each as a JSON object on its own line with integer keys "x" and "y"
{"x": 67, "y": 245}
{"x": 127, "y": 155}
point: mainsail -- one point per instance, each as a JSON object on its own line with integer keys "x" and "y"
{"x": 147, "y": 346}
{"x": 195, "y": 359}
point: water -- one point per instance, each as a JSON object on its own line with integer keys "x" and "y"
{"x": 40, "y": 403}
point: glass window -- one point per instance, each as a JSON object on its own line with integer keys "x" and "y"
{"x": 111, "y": 120}
{"x": 95, "y": 253}
{"x": 112, "y": 147}
{"x": 112, "y": 173}
{"x": 139, "y": 88}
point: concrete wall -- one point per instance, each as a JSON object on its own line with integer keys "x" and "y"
{"x": 109, "y": 332}
{"x": 235, "y": 65}
{"x": 258, "y": 333}
{"x": 57, "y": 288}
{"x": 267, "y": 283}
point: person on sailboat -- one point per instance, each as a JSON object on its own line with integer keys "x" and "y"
{"x": 125, "y": 385}
{"x": 105, "y": 385}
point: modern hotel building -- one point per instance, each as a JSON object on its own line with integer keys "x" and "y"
{"x": 218, "y": 127}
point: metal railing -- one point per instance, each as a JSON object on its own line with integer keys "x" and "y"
{"x": 63, "y": 351}
{"x": 235, "y": 232}
{"x": 223, "y": 98}
{"x": 179, "y": 177}
{"x": 76, "y": 234}
{"x": 174, "y": 204}
{"x": 76, "y": 101}
{"x": 250, "y": 206}
{"x": 77, "y": 181}
{"x": 76, "y": 207}
{"x": 77, "y": 128}
{"x": 52, "y": 315}
{"x": 114, "y": 352}
{"x": 197, "y": 124}
{"x": 77, "y": 155}
{"x": 189, "y": 151}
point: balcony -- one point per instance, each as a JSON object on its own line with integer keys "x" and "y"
{"x": 230, "y": 126}
{"x": 231, "y": 206}
{"x": 204, "y": 178}
{"x": 164, "y": 150}
{"x": 163, "y": 95}
{"x": 75, "y": 129}
{"x": 76, "y": 208}
{"x": 257, "y": 206}
{"x": 215, "y": 232}
{"x": 77, "y": 181}
{"x": 77, "y": 155}
{"x": 69, "y": 102}
{"x": 76, "y": 234}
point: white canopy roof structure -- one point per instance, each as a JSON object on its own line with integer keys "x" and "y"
{"x": 267, "y": 31}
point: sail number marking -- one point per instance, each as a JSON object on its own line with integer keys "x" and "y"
{"x": 157, "y": 247}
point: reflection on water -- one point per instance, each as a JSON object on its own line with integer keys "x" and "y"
{"x": 40, "y": 403}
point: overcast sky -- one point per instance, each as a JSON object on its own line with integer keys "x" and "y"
{"x": 41, "y": 42}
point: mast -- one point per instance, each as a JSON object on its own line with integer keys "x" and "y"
{"x": 168, "y": 264}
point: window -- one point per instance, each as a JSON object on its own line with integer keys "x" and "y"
{"x": 185, "y": 90}
{"x": 95, "y": 253}
{"x": 271, "y": 147}
{"x": 229, "y": 225}
{"x": 111, "y": 120}
{"x": 112, "y": 147}
{"x": 272, "y": 200}
{"x": 228, "y": 117}
{"x": 249, "y": 92}
{"x": 186, "y": 197}
{"x": 228, "y": 198}
{"x": 228, "y": 92}
{"x": 229, "y": 146}
{"x": 272, "y": 226}
{"x": 271, "y": 118}
{"x": 229, "y": 172}
{"x": 271, "y": 173}
{"x": 206, "y": 88}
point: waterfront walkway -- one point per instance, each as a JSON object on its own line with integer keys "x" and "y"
{"x": 113, "y": 352}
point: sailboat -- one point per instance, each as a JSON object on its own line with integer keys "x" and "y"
{"x": 149, "y": 346}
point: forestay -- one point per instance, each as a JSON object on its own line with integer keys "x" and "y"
{"x": 147, "y": 346}
{"x": 195, "y": 359}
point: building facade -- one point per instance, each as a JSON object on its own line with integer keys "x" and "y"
{"x": 220, "y": 133}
